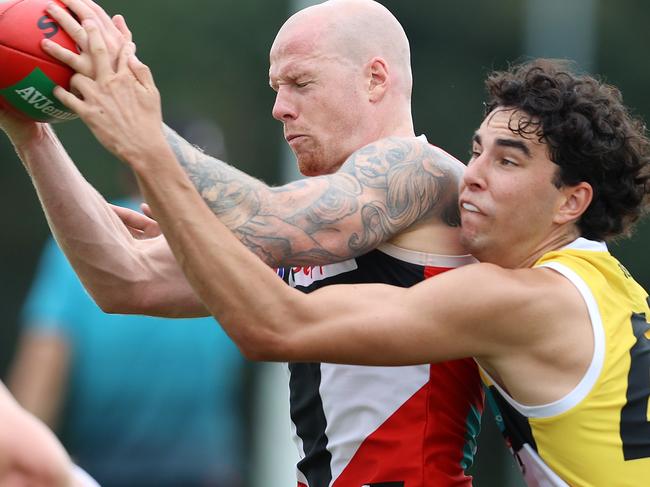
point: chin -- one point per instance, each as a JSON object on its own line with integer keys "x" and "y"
{"x": 467, "y": 237}
{"x": 472, "y": 242}
{"x": 308, "y": 170}
{"x": 312, "y": 167}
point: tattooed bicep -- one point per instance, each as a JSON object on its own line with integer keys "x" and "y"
{"x": 412, "y": 178}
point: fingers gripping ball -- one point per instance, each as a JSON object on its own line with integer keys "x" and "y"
{"x": 27, "y": 74}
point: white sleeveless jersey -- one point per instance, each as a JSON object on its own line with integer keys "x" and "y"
{"x": 360, "y": 426}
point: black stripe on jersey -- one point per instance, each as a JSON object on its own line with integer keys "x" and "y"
{"x": 307, "y": 413}
{"x": 306, "y": 405}
{"x": 635, "y": 428}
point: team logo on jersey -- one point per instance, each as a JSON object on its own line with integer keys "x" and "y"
{"x": 304, "y": 276}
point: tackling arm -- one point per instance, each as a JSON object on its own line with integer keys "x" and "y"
{"x": 363, "y": 324}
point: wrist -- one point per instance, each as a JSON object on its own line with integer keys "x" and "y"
{"x": 24, "y": 134}
{"x": 149, "y": 156}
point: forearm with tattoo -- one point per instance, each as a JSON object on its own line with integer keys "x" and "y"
{"x": 381, "y": 190}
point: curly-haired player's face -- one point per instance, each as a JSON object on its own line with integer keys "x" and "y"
{"x": 320, "y": 100}
{"x": 508, "y": 201}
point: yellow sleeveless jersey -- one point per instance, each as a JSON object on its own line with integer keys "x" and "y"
{"x": 599, "y": 433}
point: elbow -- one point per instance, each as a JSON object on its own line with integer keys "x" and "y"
{"x": 122, "y": 300}
{"x": 264, "y": 346}
{"x": 113, "y": 307}
{"x": 113, "y": 293}
{"x": 110, "y": 303}
{"x": 263, "y": 354}
{"x": 254, "y": 354}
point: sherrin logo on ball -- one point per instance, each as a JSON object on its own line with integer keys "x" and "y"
{"x": 27, "y": 74}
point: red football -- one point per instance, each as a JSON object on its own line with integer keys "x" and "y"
{"x": 27, "y": 74}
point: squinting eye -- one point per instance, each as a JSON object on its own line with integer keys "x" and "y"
{"x": 508, "y": 162}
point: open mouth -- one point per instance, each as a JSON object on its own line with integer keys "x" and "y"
{"x": 469, "y": 207}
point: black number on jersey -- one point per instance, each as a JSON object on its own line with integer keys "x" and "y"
{"x": 635, "y": 426}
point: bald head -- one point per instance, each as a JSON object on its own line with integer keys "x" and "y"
{"x": 356, "y": 31}
{"x": 342, "y": 76}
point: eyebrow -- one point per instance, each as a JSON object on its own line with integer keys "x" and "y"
{"x": 515, "y": 144}
{"x": 290, "y": 73}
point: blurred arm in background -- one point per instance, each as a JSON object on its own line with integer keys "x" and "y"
{"x": 135, "y": 400}
{"x": 29, "y": 453}
{"x": 39, "y": 374}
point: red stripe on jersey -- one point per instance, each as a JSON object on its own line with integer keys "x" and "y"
{"x": 430, "y": 271}
{"x": 457, "y": 386}
{"x": 393, "y": 452}
{"x": 422, "y": 443}
{"x": 454, "y": 387}
{"x": 300, "y": 484}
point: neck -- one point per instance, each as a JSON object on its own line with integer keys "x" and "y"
{"x": 401, "y": 129}
{"x": 531, "y": 253}
{"x": 554, "y": 241}
{"x": 397, "y": 121}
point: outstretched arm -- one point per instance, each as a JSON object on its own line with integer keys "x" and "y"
{"x": 109, "y": 260}
{"x": 122, "y": 273}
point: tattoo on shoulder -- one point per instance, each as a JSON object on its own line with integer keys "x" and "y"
{"x": 419, "y": 182}
{"x": 380, "y": 190}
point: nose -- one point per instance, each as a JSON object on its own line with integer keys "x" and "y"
{"x": 474, "y": 175}
{"x": 283, "y": 109}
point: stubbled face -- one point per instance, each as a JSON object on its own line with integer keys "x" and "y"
{"x": 320, "y": 99}
{"x": 507, "y": 196}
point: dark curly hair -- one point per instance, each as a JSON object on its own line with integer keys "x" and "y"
{"x": 591, "y": 136}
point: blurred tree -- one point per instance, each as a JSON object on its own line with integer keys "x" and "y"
{"x": 622, "y": 62}
{"x": 454, "y": 45}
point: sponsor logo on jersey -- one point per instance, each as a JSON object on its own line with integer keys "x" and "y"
{"x": 304, "y": 276}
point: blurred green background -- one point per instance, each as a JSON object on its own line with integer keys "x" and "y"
{"x": 210, "y": 61}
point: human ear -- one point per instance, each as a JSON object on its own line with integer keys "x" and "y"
{"x": 576, "y": 200}
{"x": 377, "y": 70}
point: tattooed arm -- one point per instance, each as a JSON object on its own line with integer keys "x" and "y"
{"x": 381, "y": 190}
